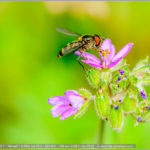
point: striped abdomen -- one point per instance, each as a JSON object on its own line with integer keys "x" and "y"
{"x": 69, "y": 48}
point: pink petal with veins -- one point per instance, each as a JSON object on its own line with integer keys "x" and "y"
{"x": 59, "y": 109}
{"x": 88, "y": 56}
{"x": 113, "y": 63}
{"x": 71, "y": 92}
{"x": 57, "y": 100}
{"x": 98, "y": 65}
{"x": 123, "y": 52}
{"x": 68, "y": 113}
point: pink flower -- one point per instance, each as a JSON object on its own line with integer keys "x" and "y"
{"x": 107, "y": 54}
{"x": 66, "y": 105}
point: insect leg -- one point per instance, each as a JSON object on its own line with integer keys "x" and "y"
{"x": 97, "y": 49}
{"x": 78, "y": 59}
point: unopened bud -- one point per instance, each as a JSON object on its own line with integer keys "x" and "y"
{"x": 102, "y": 104}
{"x": 94, "y": 77}
{"x": 129, "y": 102}
{"x": 116, "y": 117}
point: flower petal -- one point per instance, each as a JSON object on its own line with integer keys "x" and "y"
{"x": 76, "y": 101}
{"x": 92, "y": 63}
{"x": 72, "y": 92}
{"x": 112, "y": 53}
{"x": 59, "y": 109}
{"x": 90, "y": 59}
{"x": 88, "y": 56}
{"x": 106, "y": 44}
{"x": 68, "y": 113}
{"x": 123, "y": 52}
{"x": 113, "y": 63}
{"x": 57, "y": 100}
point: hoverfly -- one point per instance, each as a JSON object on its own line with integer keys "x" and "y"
{"x": 83, "y": 42}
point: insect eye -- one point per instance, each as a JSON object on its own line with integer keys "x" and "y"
{"x": 97, "y": 40}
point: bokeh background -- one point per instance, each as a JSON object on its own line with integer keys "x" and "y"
{"x": 30, "y": 71}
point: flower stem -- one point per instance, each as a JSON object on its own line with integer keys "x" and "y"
{"x": 101, "y": 132}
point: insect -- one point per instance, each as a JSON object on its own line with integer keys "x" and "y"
{"x": 83, "y": 42}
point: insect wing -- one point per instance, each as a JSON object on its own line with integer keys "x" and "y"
{"x": 67, "y": 32}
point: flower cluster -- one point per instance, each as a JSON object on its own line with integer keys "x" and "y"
{"x": 118, "y": 91}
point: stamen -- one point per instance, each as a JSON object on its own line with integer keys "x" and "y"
{"x": 107, "y": 51}
{"x": 104, "y": 52}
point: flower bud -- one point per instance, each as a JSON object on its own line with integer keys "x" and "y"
{"x": 116, "y": 117}
{"x": 146, "y": 115}
{"x": 129, "y": 102}
{"x": 94, "y": 77}
{"x": 142, "y": 112}
{"x": 141, "y": 64}
{"x": 145, "y": 80}
{"x": 105, "y": 77}
{"x": 133, "y": 79}
{"x": 142, "y": 69}
{"x": 102, "y": 104}
{"x": 145, "y": 110}
{"x": 120, "y": 80}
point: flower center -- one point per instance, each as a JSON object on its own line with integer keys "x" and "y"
{"x": 70, "y": 104}
{"x": 104, "y": 52}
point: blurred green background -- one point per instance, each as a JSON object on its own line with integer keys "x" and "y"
{"x": 30, "y": 71}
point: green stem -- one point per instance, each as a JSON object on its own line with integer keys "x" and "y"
{"x": 101, "y": 132}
